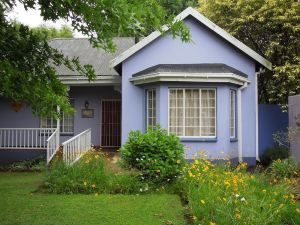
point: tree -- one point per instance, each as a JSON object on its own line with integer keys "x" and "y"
{"x": 26, "y": 59}
{"x": 177, "y": 6}
{"x": 272, "y": 29}
{"x": 51, "y": 32}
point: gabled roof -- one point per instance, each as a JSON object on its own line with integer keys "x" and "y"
{"x": 204, "y": 68}
{"x": 202, "y": 19}
{"x": 97, "y": 57}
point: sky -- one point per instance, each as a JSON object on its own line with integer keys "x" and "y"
{"x": 32, "y": 18}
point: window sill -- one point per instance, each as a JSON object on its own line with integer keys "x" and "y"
{"x": 198, "y": 139}
{"x": 233, "y": 140}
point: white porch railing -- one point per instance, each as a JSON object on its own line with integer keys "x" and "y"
{"x": 24, "y": 138}
{"x": 52, "y": 145}
{"x": 74, "y": 148}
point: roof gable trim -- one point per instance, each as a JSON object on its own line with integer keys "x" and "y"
{"x": 202, "y": 19}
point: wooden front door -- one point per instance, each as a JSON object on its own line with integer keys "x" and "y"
{"x": 111, "y": 124}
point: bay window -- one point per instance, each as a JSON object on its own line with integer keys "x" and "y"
{"x": 192, "y": 112}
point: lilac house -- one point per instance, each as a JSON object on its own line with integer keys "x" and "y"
{"x": 205, "y": 92}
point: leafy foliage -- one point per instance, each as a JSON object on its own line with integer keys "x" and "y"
{"x": 275, "y": 153}
{"x": 272, "y": 29}
{"x": 26, "y": 72}
{"x": 27, "y": 61}
{"x": 228, "y": 195}
{"x": 89, "y": 175}
{"x": 177, "y": 6}
{"x": 37, "y": 164}
{"x": 287, "y": 168}
{"x": 157, "y": 155}
{"x": 51, "y": 32}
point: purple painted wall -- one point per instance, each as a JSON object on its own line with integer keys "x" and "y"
{"x": 22, "y": 119}
{"x": 93, "y": 94}
{"x": 271, "y": 119}
{"x": 207, "y": 48}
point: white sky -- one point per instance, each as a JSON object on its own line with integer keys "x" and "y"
{"x": 32, "y": 18}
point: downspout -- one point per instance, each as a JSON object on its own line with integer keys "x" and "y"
{"x": 256, "y": 115}
{"x": 240, "y": 131}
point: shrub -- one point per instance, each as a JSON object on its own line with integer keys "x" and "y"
{"x": 157, "y": 155}
{"x": 89, "y": 175}
{"x": 275, "y": 153}
{"x": 36, "y": 164}
{"x": 227, "y": 195}
{"x": 287, "y": 168}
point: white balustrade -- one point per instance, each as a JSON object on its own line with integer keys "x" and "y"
{"x": 75, "y": 147}
{"x": 52, "y": 145}
{"x": 24, "y": 138}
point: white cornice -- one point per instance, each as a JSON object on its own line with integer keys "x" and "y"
{"x": 189, "y": 77}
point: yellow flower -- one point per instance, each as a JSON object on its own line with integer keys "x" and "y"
{"x": 298, "y": 210}
{"x": 286, "y": 196}
{"x": 224, "y": 199}
{"x": 202, "y": 201}
{"x": 238, "y": 215}
{"x": 84, "y": 183}
{"x": 178, "y": 161}
{"x": 212, "y": 223}
{"x": 96, "y": 156}
{"x": 264, "y": 190}
{"x": 196, "y": 162}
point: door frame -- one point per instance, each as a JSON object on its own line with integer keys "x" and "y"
{"x": 108, "y": 100}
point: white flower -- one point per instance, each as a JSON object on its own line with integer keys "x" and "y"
{"x": 141, "y": 189}
{"x": 237, "y": 195}
{"x": 243, "y": 199}
{"x": 137, "y": 159}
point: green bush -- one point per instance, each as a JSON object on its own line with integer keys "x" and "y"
{"x": 89, "y": 175}
{"x": 157, "y": 155}
{"x": 272, "y": 154}
{"x": 37, "y": 164}
{"x": 287, "y": 168}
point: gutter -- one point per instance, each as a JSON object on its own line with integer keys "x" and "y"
{"x": 240, "y": 131}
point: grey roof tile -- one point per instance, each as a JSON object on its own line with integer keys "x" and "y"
{"x": 191, "y": 68}
{"x": 98, "y": 58}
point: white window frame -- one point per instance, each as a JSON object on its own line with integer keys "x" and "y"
{"x": 52, "y": 123}
{"x": 153, "y": 106}
{"x": 200, "y": 96}
{"x": 232, "y": 104}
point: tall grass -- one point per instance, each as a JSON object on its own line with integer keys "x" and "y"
{"x": 89, "y": 175}
{"x": 219, "y": 194}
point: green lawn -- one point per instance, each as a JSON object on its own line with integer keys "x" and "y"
{"x": 18, "y": 206}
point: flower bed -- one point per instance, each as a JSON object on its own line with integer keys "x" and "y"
{"x": 221, "y": 194}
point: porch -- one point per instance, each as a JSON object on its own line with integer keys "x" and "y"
{"x": 97, "y": 122}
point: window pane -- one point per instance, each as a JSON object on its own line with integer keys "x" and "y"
{"x": 151, "y": 107}
{"x": 192, "y": 112}
{"x": 66, "y": 123}
{"x": 232, "y": 113}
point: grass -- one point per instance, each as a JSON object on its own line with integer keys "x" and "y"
{"x": 20, "y": 205}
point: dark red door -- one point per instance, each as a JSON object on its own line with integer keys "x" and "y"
{"x": 111, "y": 124}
